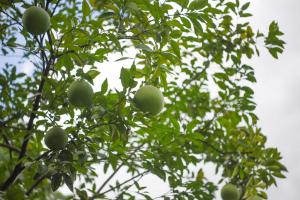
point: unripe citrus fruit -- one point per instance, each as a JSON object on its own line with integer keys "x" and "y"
{"x": 36, "y": 20}
{"x": 56, "y": 139}
{"x": 80, "y": 93}
{"x": 149, "y": 99}
{"x": 254, "y": 198}
{"x": 230, "y": 192}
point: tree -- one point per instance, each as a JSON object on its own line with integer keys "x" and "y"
{"x": 183, "y": 47}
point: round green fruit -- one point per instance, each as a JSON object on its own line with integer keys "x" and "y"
{"x": 254, "y": 198}
{"x": 56, "y": 139}
{"x": 230, "y": 192}
{"x": 149, "y": 99}
{"x": 80, "y": 93}
{"x": 36, "y": 20}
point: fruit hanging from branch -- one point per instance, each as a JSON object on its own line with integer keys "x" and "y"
{"x": 230, "y": 192}
{"x": 36, "y": 20}
{"x": 56, "y": 138}
{"x": 149, "y": 99}
{"x": 80, "y": 93}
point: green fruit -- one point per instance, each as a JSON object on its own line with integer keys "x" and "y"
{"x": 56, "y": 139}
{"x": 149, "y": 99}
{"x": 80, "y": 93}
{"x": 36, "y": 20}
{"x": 254, "y": 198}
{"x": 230, "y": 192}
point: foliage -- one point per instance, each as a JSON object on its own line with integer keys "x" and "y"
{"x": 183, "y": 47}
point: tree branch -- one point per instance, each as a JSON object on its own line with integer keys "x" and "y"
{"x": 14, "y": 19}
{"x": 110, "y": 177}
{"x": 36, "y": 184}
{"x": 134, "y": 177}
{"x": 220, "y": 151}
{"x": 55, "y": 7}
{"x": 116, "y": 170}
{"x": 42, "y": 155}
{"x": 12, "y": 148}
{"x": 20, "y": 167}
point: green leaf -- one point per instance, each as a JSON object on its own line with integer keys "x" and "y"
{"x": 200, "y": 175}
{"x": 82, "y": 194}
{"x": 198, "y": 4}
{"x": 245, "y": 6}
{"x": 104, "y": 86}
{"x": 132, "y": 6}
{"x": 197, "y": 26}
{"x": 123, "y": 58}
{"x": 56, "y": 181}
{"x": 246, "y": 15}
{"x": 69, "y": 181}
{"x": 116, "y": 41}
{"x": 175, "y": 48}
{"x": 67, "y": 62}
{"x": 279, "y": 175}
{"x": 274, "y": 51}
{"x": 186, "y": 22}
{"x": 86, "y": 10}
{"x": 125, "y": 77}
{"x": 93, "y": 73}
{"x": 144, "y": 47}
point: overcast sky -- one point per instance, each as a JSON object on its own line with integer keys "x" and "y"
{"x": 276, "y": 93}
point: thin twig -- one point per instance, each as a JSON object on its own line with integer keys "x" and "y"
{"x": 12, "y": 148}
{"x": 42, "y": 155}
{"x": 116, "y": 170}
{"x": 36, "y": 184}
{"x": 134, "y": 177}
{"x": 55, "y": 7}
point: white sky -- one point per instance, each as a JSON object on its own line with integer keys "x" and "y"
{"x": 277, "y": 93}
